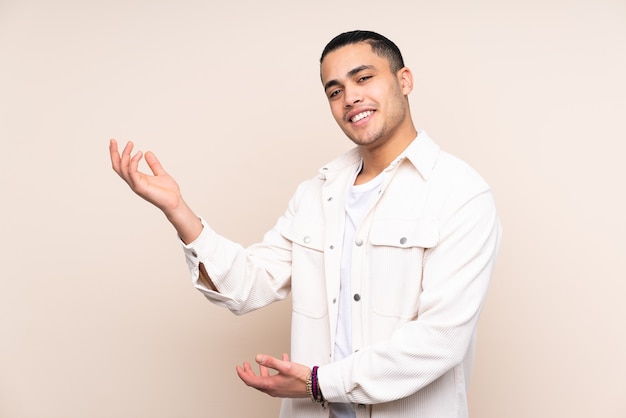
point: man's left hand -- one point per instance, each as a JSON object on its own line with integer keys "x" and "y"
{"x": 288, "y": 382}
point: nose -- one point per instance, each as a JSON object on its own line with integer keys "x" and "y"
{"x": 352, "y": 96}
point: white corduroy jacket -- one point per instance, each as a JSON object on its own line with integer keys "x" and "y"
{"x": 422, "y": 261}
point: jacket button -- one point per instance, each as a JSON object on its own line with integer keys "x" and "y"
{"x": 359, "y": 242}
{"x": 357, "y": 297}
{"x": 403, "y": 240}
{"x": 307, "y": 239}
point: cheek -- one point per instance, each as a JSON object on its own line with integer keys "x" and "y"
{"x": 337, "y": 112}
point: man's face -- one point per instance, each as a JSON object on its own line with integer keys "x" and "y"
{"x": 366, "y": 99}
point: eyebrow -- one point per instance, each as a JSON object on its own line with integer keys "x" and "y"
{"x": 350, "y": 74}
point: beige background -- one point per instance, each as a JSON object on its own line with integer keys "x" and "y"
{"x": 97, "y": 314}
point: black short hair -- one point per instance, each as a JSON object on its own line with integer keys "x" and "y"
{"x": 380, "y": 45}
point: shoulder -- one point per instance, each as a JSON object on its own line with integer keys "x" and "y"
{"x": 455, "y": 170}
{"x": 441, "y": 169}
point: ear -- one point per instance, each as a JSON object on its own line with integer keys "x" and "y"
{"x": 405, "y": 78}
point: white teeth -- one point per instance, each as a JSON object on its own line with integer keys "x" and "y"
{"x": 361, "y": 115}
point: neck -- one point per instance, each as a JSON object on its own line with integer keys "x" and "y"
{"x": 376, "y": 159}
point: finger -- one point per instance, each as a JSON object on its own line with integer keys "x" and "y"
{"x": 154, "y": 164}
{"x": 133, "y": 168}
{"x": 271, "y": 362}
{"x": 285, "y": 357}
{"x": 246, "y": 374}
{"x": 128, "y": 148}
{"x": 125, "y": 160}
{"x": 115, "y": 155}
{"x": 263, "y": 371}
{"x": 247, "y": 368}
{"x": 240, "y": 372}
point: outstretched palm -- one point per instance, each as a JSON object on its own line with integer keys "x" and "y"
{"x": 160, "y": 188}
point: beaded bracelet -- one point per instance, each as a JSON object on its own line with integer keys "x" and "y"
{"x": 309, "y": 386}
{"x": 313, "y": 388}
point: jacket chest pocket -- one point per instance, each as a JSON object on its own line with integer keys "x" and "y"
{"x": 308, "y": 285}
{"x": 396, "y": 262}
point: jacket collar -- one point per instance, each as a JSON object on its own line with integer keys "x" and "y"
{"x": 422, "y": 153}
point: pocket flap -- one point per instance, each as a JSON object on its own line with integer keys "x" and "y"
{"x": 405, "y": 233}
{"x": 306, "y": 234}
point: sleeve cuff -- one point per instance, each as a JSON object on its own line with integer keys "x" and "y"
{"x": 194, "y": 252}
{"x": 332, "y": 373}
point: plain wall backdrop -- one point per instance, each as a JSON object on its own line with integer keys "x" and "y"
{"x": 98, "y": 317}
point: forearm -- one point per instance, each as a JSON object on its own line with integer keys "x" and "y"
{"x": 413, "y": 358}
{"x": 237, "y": 278}
{"x": 187, "y": 224}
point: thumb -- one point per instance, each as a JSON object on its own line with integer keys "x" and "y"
{"x": 154, "y": 164}
{"x": 262, "y": 359}
{"x": 271, "y": 362}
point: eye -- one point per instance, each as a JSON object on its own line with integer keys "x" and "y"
{"x": 334, "y": 93}
{"x": 364, "y": 78}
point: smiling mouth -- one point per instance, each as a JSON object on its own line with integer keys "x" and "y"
{"x": 361, "y": 115}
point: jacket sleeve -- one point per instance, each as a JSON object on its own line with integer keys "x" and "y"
{"x": 246, "y": 278}
{"x": 456, "y": 274}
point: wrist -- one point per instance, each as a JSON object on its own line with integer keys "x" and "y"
{"x": 187, "y": 224}
{"x": 313, "y": 388}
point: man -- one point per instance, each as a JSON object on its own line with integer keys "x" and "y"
{"x": 388, "y": 253}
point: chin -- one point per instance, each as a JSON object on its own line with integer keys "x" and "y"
{"x": 370, "y": 140}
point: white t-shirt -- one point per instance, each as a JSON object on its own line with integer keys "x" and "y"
{"x": 359, "y": 201}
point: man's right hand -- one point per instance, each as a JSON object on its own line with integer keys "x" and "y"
{"x": 160, "y": 188}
